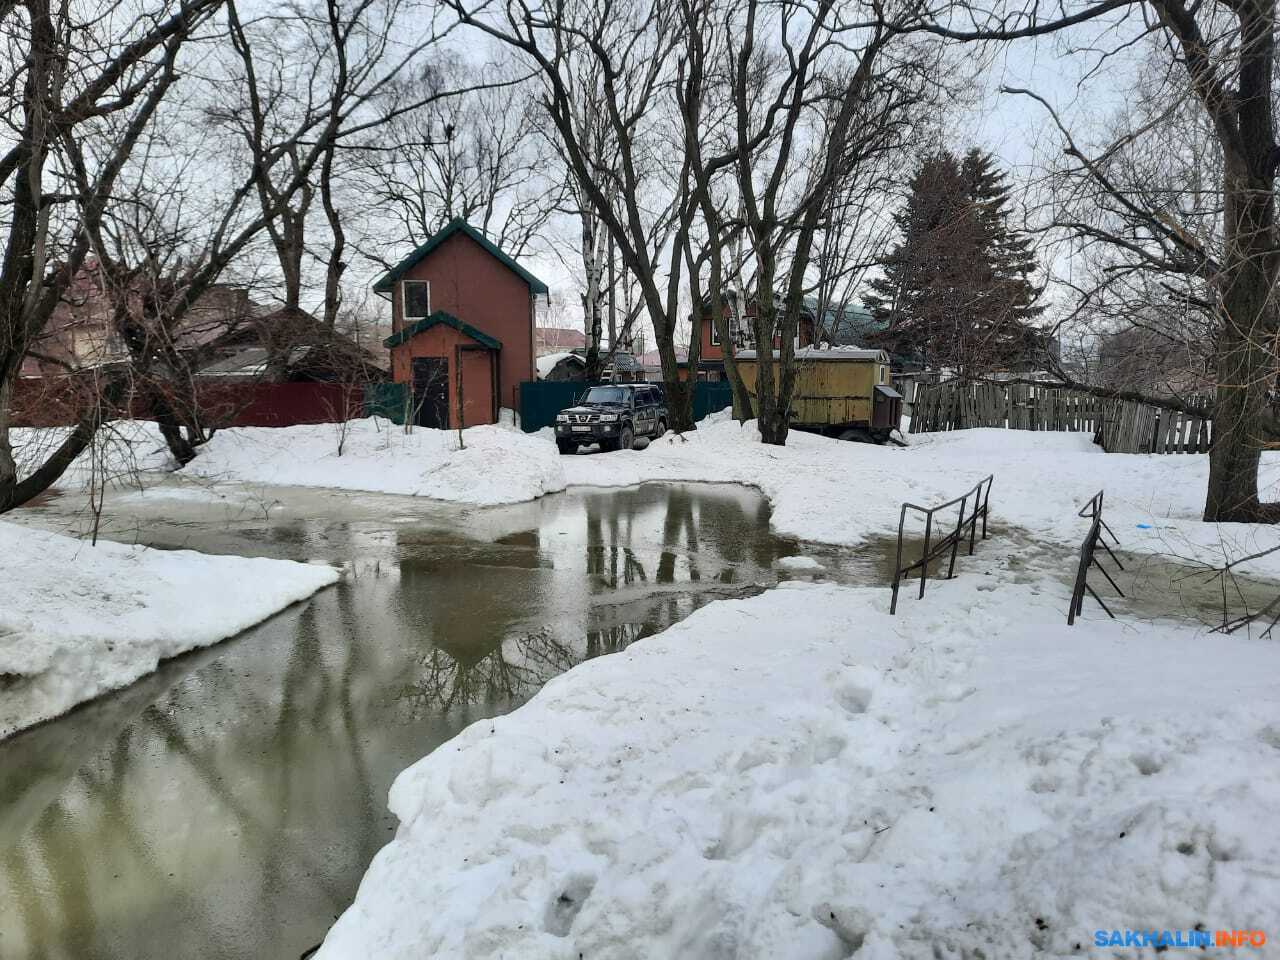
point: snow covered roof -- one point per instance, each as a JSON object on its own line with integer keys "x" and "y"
{"x": 548, "y": 361}
{"x": 251, "y": 362}
{"x": 829, "y": 353}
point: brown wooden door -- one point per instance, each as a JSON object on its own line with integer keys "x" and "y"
{"x": 431, "y": 392}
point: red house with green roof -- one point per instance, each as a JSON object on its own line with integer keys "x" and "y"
{"x": 462, "y": 321}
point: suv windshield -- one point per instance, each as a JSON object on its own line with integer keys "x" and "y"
{"x": 605, "y": 395}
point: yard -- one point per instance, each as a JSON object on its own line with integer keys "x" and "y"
{"x": 783, "y": 769}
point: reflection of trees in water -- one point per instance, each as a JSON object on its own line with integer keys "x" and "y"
{"x": 258, "y": 793}
{"x": 610, "y": 559}
{"x": 617, "y": 637}
{"x": 678, "y": 519}
{"x": 510, "y": 670}
{"x": 700, "y": 529}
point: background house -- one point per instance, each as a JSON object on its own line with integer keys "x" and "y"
{"x": 82, "y": 332}
{"x": 565, "y": 365}
{"x": 558, "y": 340}
{"x": 711, "y": 358}
{"x": 289, "y": 345}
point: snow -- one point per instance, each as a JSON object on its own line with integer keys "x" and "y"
{"x": 798, "y": 563}
{"x": 122, "y": 453}
{"x": 78, "y": 620}
{"x": 800, "y": 775}
{"x": 496, "y": 463}
{"x": 793, "y": 775}
{"x": 547, "y": 362}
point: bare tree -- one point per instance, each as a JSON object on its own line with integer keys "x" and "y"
{"x": 1221, "y": 58}
{"x": 472, "y": 148}
{"x": 818, "y": 95}
{"x": 71, "y": 83}
{"x": 78, "y": 180}
{"x": 642, "y": 196}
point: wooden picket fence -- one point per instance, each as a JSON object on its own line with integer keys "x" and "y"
{"x": 1120, "y": 426}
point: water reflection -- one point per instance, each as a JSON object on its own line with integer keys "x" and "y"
{"x": 228, "y": 805}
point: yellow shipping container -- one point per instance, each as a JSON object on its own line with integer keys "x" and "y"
{"x": 841, "y": 391}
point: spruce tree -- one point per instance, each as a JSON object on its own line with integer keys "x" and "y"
{"x": 957, "y": 289}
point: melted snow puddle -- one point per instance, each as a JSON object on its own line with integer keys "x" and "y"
{"x": 228, "y": 804}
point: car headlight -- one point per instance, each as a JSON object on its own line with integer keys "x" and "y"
{"x": 562, "y": 418}
{"x": 608, "y": 417}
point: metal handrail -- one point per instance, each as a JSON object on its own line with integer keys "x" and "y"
{"x": 980, "y": 494}
{"x": 1092, "y": 511}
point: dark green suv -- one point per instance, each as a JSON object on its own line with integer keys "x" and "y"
{"x": 612, "y": 415}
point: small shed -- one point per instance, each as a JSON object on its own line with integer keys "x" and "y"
{"x": 841, "y": 391}
{"x": 462, "y": 322}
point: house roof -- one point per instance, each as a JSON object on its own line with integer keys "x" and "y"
{"x": 829, "y": 353}
{"x": 457, "y": 225}
{"x": 248, "y": 362}
{"x": 440, "y": 316}
{"x": 555, "y": 339}
{"x": 549, "y": 361}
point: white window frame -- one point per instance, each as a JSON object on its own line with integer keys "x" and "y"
{"x": 715, "y": 334}
{"x": 404, "y": 299}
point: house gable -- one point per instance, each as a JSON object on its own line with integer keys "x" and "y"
{"x": 388, "y": 280}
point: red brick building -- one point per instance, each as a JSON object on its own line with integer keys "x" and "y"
{"x": 462, "y": 322}
{"x": 711, "y": 353}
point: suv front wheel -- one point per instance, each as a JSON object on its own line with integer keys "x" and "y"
{"x": 626, "y": 437}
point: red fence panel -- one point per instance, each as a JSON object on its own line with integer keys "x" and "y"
{"x": 278, "y": 404}
{"x": 55, "y": 402}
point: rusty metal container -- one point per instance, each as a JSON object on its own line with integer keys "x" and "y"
{"x": 841, "y": 391}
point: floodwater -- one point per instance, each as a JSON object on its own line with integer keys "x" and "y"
{"x": 227, "y": 806}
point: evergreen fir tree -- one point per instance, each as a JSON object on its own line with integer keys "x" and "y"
{"x": 957, "y": 289}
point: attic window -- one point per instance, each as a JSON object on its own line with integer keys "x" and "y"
{"x": 417, "y": 299}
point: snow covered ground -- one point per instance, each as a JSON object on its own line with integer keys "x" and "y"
{"x": 800, "y": 775}
{"x": 123, "y": 453}
{"x": 496, "y": 464}
{"x": 78, "y": 620}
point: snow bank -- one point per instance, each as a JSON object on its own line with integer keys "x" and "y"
{"x": 123, "y": 451}
{"x": 497, "y": 464}
{"x": 77, "y": 620}
{"x": 799, "y": 775}
{"x": 837, "y": 492}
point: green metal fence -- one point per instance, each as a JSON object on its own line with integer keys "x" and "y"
{"x": 540, "y": 401}
{"x": 385, "y": 400}
{"x": 709, "y": 397}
